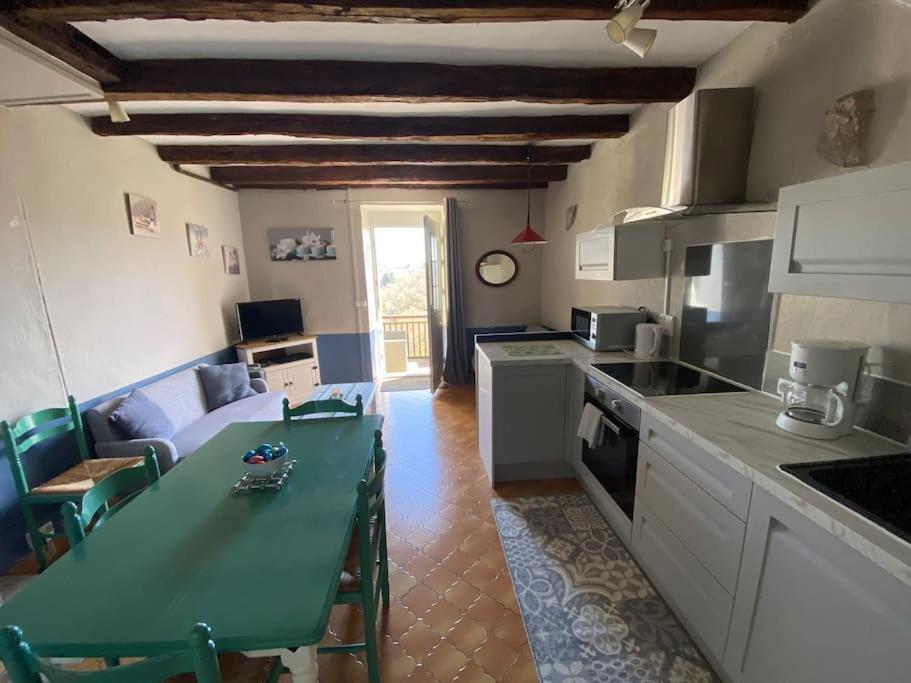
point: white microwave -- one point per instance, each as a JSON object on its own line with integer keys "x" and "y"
{"x": 606, "y": 328}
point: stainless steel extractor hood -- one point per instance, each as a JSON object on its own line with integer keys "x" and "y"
{"x": 707, "y": 157}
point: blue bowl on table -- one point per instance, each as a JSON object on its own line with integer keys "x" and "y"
{"x": 265, "y": 460}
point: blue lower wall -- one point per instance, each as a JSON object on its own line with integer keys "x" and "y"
{"x": 50, "y": 458}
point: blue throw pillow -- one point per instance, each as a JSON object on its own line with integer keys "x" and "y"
{"x": 225, "y": 384}
{"x": 139, "y": 417}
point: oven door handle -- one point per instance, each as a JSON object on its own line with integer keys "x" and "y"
{"x": 614, "y": 427}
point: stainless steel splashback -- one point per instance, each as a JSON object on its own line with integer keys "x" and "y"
{"x": 727, "y": 309}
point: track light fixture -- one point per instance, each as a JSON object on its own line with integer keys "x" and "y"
{"x": 622, "y": 28}
{"x": 117, "y": 112}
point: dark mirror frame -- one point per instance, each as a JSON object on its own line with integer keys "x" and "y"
{"x": 515, "y": 263}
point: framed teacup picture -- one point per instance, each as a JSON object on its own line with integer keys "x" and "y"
{"x": 302, "y": 244}
{"x": 197, "y": 237}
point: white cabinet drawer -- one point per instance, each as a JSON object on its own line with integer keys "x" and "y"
{"x": 722, "y": 483}
{"x": 707, "y": 529}
{"x": 698, "y": 599}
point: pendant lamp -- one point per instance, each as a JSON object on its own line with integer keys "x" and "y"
{"x": 528, "y": 236}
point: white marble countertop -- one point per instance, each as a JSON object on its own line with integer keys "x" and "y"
{"x": 740, "y": 430}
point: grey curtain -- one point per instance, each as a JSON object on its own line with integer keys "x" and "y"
{"x": 457, "y": 366}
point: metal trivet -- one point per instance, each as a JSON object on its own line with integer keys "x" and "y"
{"x": 271, "y": 483}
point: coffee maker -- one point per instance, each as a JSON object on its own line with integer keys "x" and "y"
{"x": 820, "y": 399}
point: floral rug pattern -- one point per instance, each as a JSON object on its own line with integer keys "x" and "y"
{"x": 590, "y": 613}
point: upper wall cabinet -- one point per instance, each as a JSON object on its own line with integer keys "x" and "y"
{"x": 847, "y": 237}
{"x": 621, "y": 252}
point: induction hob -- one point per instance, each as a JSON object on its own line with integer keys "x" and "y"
{"x": 665, "y": 378}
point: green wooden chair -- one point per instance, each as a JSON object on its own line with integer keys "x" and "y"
{"x": 365, "y": 577}
{"x": 71, "y": 485}
{"x": 332, "y": 405}
{"x": 199, "y": 658}
{"x": 125, "y": 484}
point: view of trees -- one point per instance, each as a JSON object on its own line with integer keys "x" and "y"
{"x": 403, "y": 291}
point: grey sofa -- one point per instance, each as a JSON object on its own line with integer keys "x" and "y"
{"x": 183, "y": 399}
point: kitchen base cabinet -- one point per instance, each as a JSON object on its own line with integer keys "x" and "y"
{"x": 697, "y": 599}
{"x": 575, "y": 398}
{"x": 521, "y": 416}
{"x": 809, "y": 608}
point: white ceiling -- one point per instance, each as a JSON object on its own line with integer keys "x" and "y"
{"x": 551, "y": 43}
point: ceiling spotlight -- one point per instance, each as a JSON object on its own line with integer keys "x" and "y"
{"x": 622, "y": 28}
{"x": 117, "y": 112}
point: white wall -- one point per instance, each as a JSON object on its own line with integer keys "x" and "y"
{"x": 122, "y": 308}
{"x": 798, "y": 72}
{"x": 329, "y": 290}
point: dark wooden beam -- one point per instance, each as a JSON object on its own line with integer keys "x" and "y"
{"x": 339, "y": 81}
{"x": 397, "y": 186}
{"x": 356, "y": 175}
{"x": 65, "y": 43}
{"x": 349, "y": 155}
{"x": 423, "y": 11}
{"x": 418, "y": 128}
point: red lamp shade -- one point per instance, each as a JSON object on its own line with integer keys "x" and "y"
{"x": 529, "y": 236}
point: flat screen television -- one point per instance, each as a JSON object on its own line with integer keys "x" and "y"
{"x": 269, "y": 319}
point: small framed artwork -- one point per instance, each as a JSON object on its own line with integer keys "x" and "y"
{"x": 143, "y": 215}
{"x": 197, "y": 239}
{"x": 231, "y": 257}
{"x": 302, "y": 244}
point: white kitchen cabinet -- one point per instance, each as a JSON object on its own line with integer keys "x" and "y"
{"x": 621, "y": 252}
{"x": 698, "y": 600}
{"x": 521, "y": 417}
{"x": 846, "y": 237}
{"x": 575, "y": 398}
{"x": 708, "y": 530}
{"x": 720, "y": 481}
{"x": 811, "y": 609}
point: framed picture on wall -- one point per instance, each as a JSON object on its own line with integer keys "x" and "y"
{"x": 197, "y": 239}
{"x": 231, "y": 257}
{"x": 143, "y": 215}
{"x": 301, "y": 244}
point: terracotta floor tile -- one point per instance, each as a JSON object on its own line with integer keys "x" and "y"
{"x": 442, "y": 617}
{"x": 501, "y": 590}
{"x": 420, "y": 565}
{"x": 445, "y": 661}
{"x": 421, "y": 675}
{"x": 419, "y": 641}
{"x": 396, "y": 621}
{"x": 473, "y": 674}
{"x": 522, "y": 671}
{"x": 395, "y": 664}
{"x": 467, "y": 635}
{"x": 400, "y": 582}
{"x": 459, "y": 562}
{"x": 420, "y": 599}
{"x": 511, "y": 630}
{"x": 440, "y": 579}
{"x": 480, "y": 575}
{"x": 486, "y": 611}
{"x": 462, "y": 594}
{"x": 495, "y": 656}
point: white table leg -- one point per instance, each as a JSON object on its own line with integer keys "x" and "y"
{"x": 301, "y": 662}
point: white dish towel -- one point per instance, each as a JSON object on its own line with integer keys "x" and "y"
{"x": 590, "y": 425}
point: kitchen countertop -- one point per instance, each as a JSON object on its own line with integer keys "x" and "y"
{"x": 740, "y": 430}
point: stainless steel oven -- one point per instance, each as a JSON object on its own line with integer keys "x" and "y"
{"x": 612, "y": 460}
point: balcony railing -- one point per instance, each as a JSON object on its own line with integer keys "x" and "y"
{"x": 415, "y": 329}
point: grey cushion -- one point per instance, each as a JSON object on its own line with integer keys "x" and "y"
{"x": 139, "y": 417}
{"x": 225, "y": 384}
{"x": 259, "y": 407}
{"x": 180, "y": 396}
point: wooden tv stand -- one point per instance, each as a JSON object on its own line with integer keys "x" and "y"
{"x": 290, "y": 365}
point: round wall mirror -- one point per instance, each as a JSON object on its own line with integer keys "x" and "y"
{"x": 497, "y": 268}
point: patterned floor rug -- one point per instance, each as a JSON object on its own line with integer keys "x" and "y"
{"x": 590, "y": 613}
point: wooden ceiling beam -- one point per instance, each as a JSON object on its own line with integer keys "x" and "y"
{"x": 396, "y": 186}
{"x": 349, "y": 155}
{"x": 340, "y": 81}
{"x": 415, "y": 174}
{"x": 391, "y": 128}
{"x": 413, "y": 11}
{"x": 65, "y": 43}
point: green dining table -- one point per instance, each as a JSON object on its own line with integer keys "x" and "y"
{"x": 260, "y": 567}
